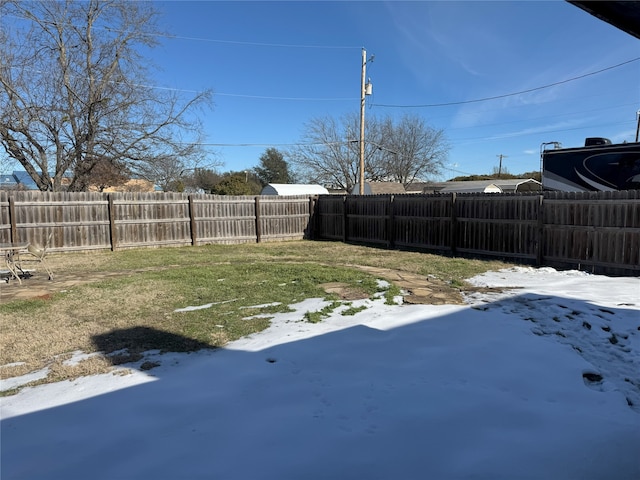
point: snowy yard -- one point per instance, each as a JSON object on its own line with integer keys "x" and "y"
{"x": 540, "y": 381}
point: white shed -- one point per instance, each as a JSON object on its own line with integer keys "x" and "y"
{"x": 293, "y": 189}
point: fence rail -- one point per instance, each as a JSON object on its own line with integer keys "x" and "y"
{"x": 91, "y": 221}
{"x": 596, "y": 231}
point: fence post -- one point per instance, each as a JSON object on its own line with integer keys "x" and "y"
{"x": 258, "y": 226}
{"x": 192, "y": 221}
{"x": 344, "y": 219}
{"x": 112, "y": 222}
{"x": 312, "y": 218}
{"x": 454, "y": 225}
{"x": 540, "y": 232}
{"x": 12, "y": 220}
{"x": 391, "y": 229}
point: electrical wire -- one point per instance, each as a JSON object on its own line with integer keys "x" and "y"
{"x": 260, "y": 44}
{"x": 320, "y": 144}
{"x": 212, "y": 40}
{"x": 306, "y": 99}
{"x": 371, "y": 104}
{"x": 497, "y": 97}
{"x": 539, "y": 132}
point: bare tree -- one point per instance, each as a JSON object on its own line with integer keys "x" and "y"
{"x": 419, "y": 151}
{"x": 75, "y": 91}
{"x": 328, "y": 152}
{"x": 107, "y": 174}
{"x": 402, "y": 152}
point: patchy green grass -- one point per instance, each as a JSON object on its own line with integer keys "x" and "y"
{"x": 234, "y": 289}
{"x": 328, "y": 253}
{"x": 319, "y": 315}
{"x": 353, "y": 310}
{"x": 391, "y": 293}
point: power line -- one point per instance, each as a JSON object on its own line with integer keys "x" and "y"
{"x": 530, "y": 119}
{"x": 497, "y": 97}
{"x": 302, "y": 144}
{"x": 206, "y": 144}
{"x": 260, "y": 44}
{"x": 214, "y": 40}
{"x": 266, "y": 97}
{"x": 282, "y": 45}
{"x": 354, "y": 98}
{"x": 457, "y": 171}
{"x": 538, "y": 132}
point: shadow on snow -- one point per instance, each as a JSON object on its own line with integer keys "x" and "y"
{"x": 470, "y": 391}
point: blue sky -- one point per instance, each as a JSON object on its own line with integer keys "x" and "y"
{"x": 273, "y": 66}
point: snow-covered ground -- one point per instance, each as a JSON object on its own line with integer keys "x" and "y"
{"x": 540, "y": 381}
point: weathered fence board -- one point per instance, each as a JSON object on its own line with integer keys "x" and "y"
{"x": 422, "y": 224}
{"x": 151, "y": 220}
{"x": 85, "y": 221}
{"x": 224, "y": 219}
{"x": 497, "y": 225}
{"x": 595, "y": 231}
{"x": 367, "y": 221}
{"x": 281, "y": 218}
{"x": 330, "y": 217}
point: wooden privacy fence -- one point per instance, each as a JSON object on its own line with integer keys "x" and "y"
{"x": 597, "y": 231}
{"x": 88, "y": 221}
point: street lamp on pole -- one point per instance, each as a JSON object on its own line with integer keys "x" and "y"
{"x": 365, "y": 89}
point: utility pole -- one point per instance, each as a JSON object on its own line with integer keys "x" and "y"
{"x": 638, "y": 127}
{"x": 365, "y": 89}
{"x": 500, "y": 167}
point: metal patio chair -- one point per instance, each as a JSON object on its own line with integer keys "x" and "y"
{"x": 35, "y": 255}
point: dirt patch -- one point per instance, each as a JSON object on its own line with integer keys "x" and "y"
{"x": 40, "y": 287}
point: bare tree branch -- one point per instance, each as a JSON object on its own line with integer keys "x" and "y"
{"x": 74, "y": 93}
{"x": 402, "y": 151}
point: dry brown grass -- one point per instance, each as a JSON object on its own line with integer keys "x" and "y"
{"x": 71, "y": 324}
{"x": 135, "y": 292}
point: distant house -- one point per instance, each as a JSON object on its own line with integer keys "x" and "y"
{"x": 17, "y": 180}
{"x": 512, "y": 185}
{"x": 8, "y": 181}
{"x": 132, "y": 185}
{"x": 293, "y": 189}
{"x": 379, "y": 188}
{"x": 20, "y": 180}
